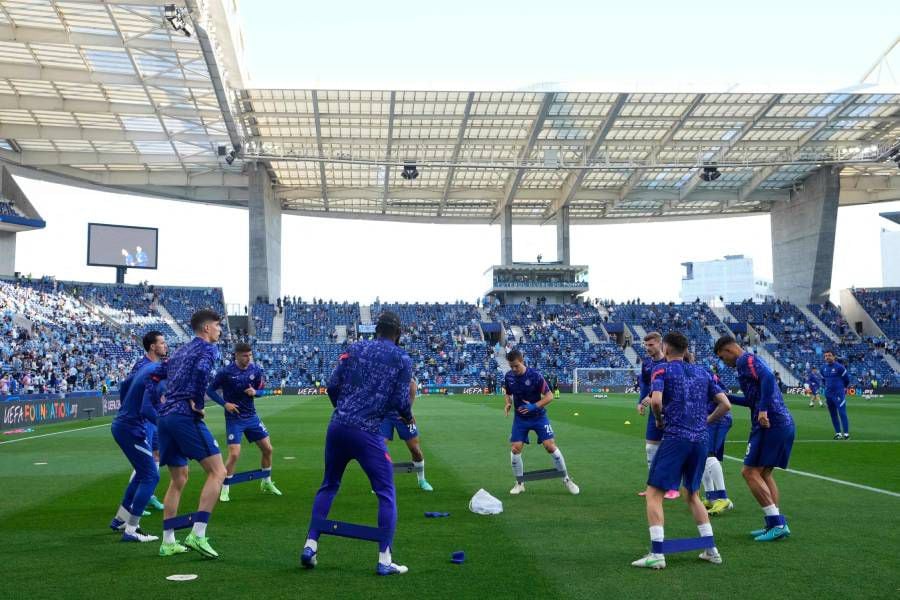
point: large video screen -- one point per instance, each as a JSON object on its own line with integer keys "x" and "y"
{"x": 122, "y": 246}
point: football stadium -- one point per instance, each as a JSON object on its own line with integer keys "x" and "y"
{"x": 258, "y": 337}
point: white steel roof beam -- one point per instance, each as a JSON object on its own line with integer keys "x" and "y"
{"x": 736, "y": 141}
{"x": 460, "y": 136}
{"x": 323, "y": 182}
{"x": 29, "y": 34}
{"x": 67, "y": 75}
{"x": 575, "y": 178}
{"x": 514, "y": 179}
{"x": 760, "y": 176}
{"x": 39, "y": 132}
{"x": 387, "y": 170}
{"x": 636, "y": 175}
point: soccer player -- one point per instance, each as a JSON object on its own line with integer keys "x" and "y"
{"x": 371, "y": 379}
{"x": 717, "y": 500}
{"x": 836, "y": 383}
{"x": 184, "y": 436}
{"x": 527, "y": 390}
{"x": 155, "y": 351}
{"x": 654, "y": 358}
{"x": 680, "y": 393}
{"x": 131, "y": 435}
{"x": 813, "y": 381}
{"x": 771, "y": 433}
{"x": 239, "y": 382}
{"x": 409, "y": 433}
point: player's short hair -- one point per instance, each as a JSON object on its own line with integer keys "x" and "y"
{"x": 725, "y": 340}
{"x": 514, "y": 354}
{"x": 677, "y": 341}
{"x": 202, "y": 317}
{"x": 242, "y": 347}
{"x": 829, "y": 351}
{"x": 150, "y": 339}
{"x": 388, "y": 325}
{"x": 653, "y": 335}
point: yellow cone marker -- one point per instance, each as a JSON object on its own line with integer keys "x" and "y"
{"x": 628, "y": 422}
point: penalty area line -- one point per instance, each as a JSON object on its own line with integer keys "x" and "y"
{"x": 34, "y": 437}
{"x": 831, "y": 479}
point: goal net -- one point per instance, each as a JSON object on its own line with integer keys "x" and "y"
{"x": 592, "y": 380}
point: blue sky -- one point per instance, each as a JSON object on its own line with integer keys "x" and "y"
{"x": 809, "y": 46}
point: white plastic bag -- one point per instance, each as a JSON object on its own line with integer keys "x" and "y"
{"x": 482, "y": 503}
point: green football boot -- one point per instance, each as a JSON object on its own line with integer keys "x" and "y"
{"x": 268, "y": 487}
{"x": 201, "y": 545}
{"x": 172, "y": 549}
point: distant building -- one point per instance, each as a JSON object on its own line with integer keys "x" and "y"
{"x": 730, "y": 279}
{"x": 890, "y": 252}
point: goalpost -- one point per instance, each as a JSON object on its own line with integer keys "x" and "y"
{"x": 601, "y": 379}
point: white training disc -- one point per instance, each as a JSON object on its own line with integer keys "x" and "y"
{"x": 40, "y": 463}
{"x": 289, "y": 457}
{"x": 182, "y": 577}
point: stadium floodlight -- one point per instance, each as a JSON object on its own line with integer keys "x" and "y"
{"x": 177, "y": 19}
{"x": 409, "y": 171}
{"x": 710, "y": 174}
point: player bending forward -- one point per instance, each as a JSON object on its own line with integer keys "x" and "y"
{"x": 680, "y": 393}
{"x": 409, "y": 433}
{"x": 530, "y": 394}
{"x": 239, "y": 382}
{"x": 771, "y": 433}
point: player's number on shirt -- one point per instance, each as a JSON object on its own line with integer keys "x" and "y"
{"x": 548, "y": 429}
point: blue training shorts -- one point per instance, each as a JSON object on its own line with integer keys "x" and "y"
{"x": 717, "y": 433}
{"x": 677, "y": 463}
{"x": 404, "y": 432}
{"x": 136, "y": 449}
{"x": 183, "y": 438}
{"x": 654, "y": 433}
{"x": 251, "y": 427}
{"x": 152, "y": 435}
{"x": 770, "y": 447}
{"x": 540, "y": 426}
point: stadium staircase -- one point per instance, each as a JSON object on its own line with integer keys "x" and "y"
{"x": 787, "y": 378}
{"x": 631, "y": 355}
{"x": 770, "y": 337}
{"x": 519, "y": 333}
{"x": 485, "y": 315}
{"x": 639, "y": 332}
{"x": 818, "y": 323}
{"x": 365, "y": 314}
{"x": 725, "y": 317}
{"x": 278, "y": 328}
{"x": 590, "y": 334}
{"x": 169, "y": 320}
{"x": 895, "y": 365}
{"x": 502, "y": 363}
{"x": 713, "y": 332}
{"x": 600, "y": 327}
{"x": 341, "y": 332}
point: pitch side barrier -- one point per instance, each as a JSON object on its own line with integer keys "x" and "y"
{"x": 27, "y": 410}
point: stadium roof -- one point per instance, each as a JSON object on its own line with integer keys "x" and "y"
{"x": 109, "y": 94}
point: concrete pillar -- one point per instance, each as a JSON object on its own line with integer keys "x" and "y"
{"x": 265, "y": 238}
{"x": 803, "y": 229}
{"x": 563, "y": 254}
{"x": 7, "y": 253}
{"x": 506, "y": 255}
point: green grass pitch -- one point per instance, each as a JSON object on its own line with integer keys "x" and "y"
{"x": 547, "y": 543}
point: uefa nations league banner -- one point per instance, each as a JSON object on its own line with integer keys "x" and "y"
{"x": 36, "y": 409}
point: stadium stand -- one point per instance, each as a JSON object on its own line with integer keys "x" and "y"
{"x": 57, "y": 335}
{"x": 884, "y": 307}
{"x": 798, "y": 344}
{"x": 7, "y": 209}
